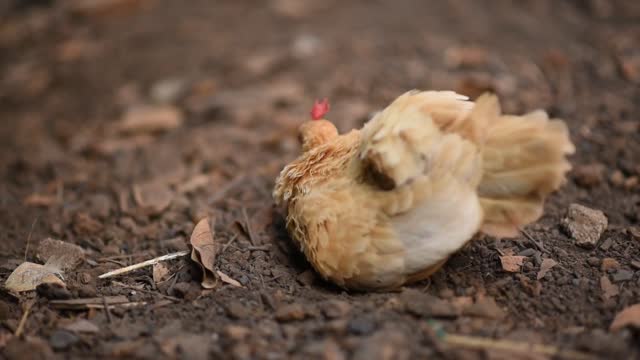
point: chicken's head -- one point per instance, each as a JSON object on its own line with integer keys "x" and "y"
{"x": 318, "y": 130}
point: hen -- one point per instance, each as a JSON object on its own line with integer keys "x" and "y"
{"x": 388, "y": 204}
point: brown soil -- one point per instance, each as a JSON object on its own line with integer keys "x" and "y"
{"x": 244, "y": 75}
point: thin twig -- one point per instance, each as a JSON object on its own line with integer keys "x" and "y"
{"x": 247, "y": 224}
{"x": 119, "y": 263}
{"x": 258, "y": 248}
{"x": 126, "y": 256}
{"x": 33, "y": 225}
{"x": 146, "y": 291}
{"x": 137, "y": 266}
{"x": 226, "y": 188}
{"x": 535, "y": 242}
{"x": 106, "y": 309}
{"x": 515, "y": 347}
{"x": 233, "y": 238}
{"x": 23, "y": 319}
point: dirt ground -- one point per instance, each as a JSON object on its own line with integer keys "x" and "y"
{"x": 232, "y": 80}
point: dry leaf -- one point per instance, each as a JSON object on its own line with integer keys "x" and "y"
{"x": 59, "y": 255}
{"x": 609, "y": 289}
{"x": 204, "y": 252}
{"x": 160, "y": 272}
{"x": 546, "y": 265}
{"x": 630, "y": 316}
{"x": 227, "y": 279}
{"x": 154, "y": 197}
{"x": 511, "y": 263}
{"x": 148, "y": 119}
{"x": 29, "y": 275}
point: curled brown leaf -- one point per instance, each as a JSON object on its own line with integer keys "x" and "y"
{"x": 204, "y": 252}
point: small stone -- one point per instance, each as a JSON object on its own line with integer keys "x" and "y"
{"x": 634, "y": 231}
{"x": 361, "y": 326}
{"x": 62, "y": 339}
{"x": 5, "y": 310}
{"x": 589, "y": 175}
{"x": 527, "y": 252}
{"x": 606, "y": 244}
{"x": 241, "y": 352}
{"x": 306, "y": 278}
{"x": 485, "y": 307}
{"x": 584, "y": 225}
{"x": 237, "y": 332}
{"x": 150, "y": 119}
{"x": 168, "y": 90}
{"x": 609, "y": 290}
{"x": 87, "y": 291}
{"x": 426, "y": 305}
{"x": 606, "y": 345}
{"x": 622, "y": 275}
{"x": 447, "y": 293}
{"x": 186, "y": 290}
{"x": 617, "y": 178}
{"x": 290, "y": 312}
{"x": 385, "y": 344}
{"x": 609, "y": 263}
{"x": 334, "y": 309}
{"x": 53, "y": 291}
{"x": 100, "y": 205}
{"x": 36, "y": 348}
{"x": 305, "y": 45}
{"x": 237, "y": 310}
{"x": 82, "y": 326}
{"x": 631, "y": 183}
{"x": 60, "y": 254}
{"x": 327, "y": 350}
{"x": 84, "y": 224}
{"x": 84, "y": 278}
{"x": 635, "y": 264}
{"x": 96, "y": 9}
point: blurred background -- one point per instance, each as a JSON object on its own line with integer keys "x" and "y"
{"x": 190, "y": 108}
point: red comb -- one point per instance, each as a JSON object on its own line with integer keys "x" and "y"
{"x": 320, "y": 108}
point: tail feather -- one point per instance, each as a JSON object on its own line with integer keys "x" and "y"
{"x": 524, "y": 160}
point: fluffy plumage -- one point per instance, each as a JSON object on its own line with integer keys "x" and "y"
{"x": 388, "y": 204}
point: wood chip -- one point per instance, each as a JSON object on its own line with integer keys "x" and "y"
{"x": 204, "y": 252}
{"x": 546, "y": 265}
{"x": 512, "y": 263}
{"x": 226, "y": 279}
{"x": 630, "y": 316}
